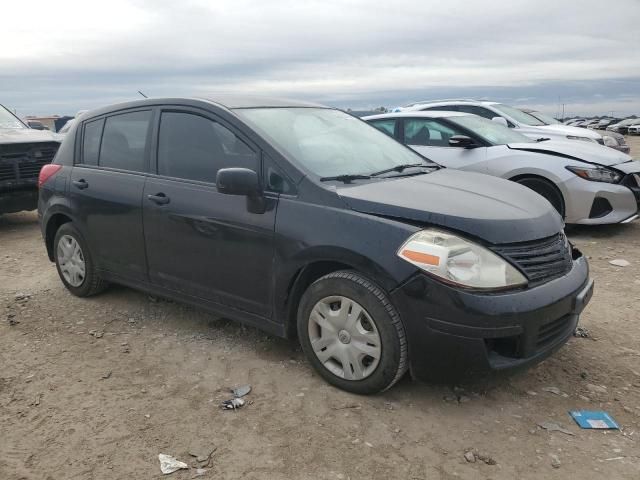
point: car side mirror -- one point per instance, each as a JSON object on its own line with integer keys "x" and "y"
{"x": 238, "y": 181}
{"x": 462, "y": 141}
{"x": 242, "y": 181}
{"x": 501, "y": 120}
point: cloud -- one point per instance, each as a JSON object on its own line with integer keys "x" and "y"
{"x": 67, "y": 55}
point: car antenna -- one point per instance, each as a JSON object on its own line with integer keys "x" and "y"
{"x": 142, "y": 94}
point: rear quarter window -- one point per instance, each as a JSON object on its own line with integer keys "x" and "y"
{"x": 91, "y": 142}
{"x": 124, "y": 141}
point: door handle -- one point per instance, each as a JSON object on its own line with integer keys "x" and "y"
{"x": 81, "y": 184}
{"x": 159, "y": 199}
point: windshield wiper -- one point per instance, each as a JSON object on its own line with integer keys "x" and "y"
{"x": 400, "y": 168}
{"x": 346, "y": 178}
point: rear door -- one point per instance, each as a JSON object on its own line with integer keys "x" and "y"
{"x": 106, "y": 188}
{"x": 198, "y": 241}
{"x": 430, "y": 137}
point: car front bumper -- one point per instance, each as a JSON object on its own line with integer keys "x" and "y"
{"x": 455, "y": 334}
{"x": 18, "y": 200}
{"x": 584, "y": 200}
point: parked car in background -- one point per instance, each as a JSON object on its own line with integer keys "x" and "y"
{"x": 294, "y": 217}
{"x": 609, "y": 139}
{"x": 584, "y": 182}
{"x": 509, "y": 117}
{"x": 590, "y": 123}
{"x": 634, "y": 129}
{"x": 622, "y": 127}
{"x": 604, "y": 122}
{"x": 23, "y": 151}
{"x": 65, "y": 129}
{"x": 35, "y": 124}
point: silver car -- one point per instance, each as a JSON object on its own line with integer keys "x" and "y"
{"x": 585, "y": 182}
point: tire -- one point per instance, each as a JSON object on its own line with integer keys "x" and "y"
{"x": 374, "y": 338}
{"x": 545, "y": 189}
{"x": 84, "y": 285}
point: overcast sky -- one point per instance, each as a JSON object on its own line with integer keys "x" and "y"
{"x": 62, "y": 56}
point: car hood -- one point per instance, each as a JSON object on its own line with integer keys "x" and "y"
{"x": 577, "y": 150}
{"x": 25, "y": 135}
{"x": 493, "y": 209}
{"x": 568, "y": 130}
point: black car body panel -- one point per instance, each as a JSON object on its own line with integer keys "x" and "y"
{"x": 185, "y": 240}
{"x": 471, "y": 205}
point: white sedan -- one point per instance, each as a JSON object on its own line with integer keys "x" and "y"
{"x": 585, "y": 182}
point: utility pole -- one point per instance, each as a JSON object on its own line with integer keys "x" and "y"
{"x": 563, "y": 112}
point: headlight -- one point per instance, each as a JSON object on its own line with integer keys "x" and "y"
{"x": 584, "y": 139}
{"x": 459, "y": 261}
{"x": 610, "y": 141}
{"x": 597, "y": 174}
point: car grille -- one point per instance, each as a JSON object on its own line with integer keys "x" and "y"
{"x": 552, "y": 331}
{"x": 20, "y": 164}
{"x": 540, "y": 260}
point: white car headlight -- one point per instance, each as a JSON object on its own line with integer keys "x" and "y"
{"x": 584, "y": 139}
{"x": 597, "y": 174}
{"x": 459, "y": 261}
{"x": 609, "y": 141}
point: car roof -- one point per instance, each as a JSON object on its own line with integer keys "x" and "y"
{"x": 419, "y": 114}
{"x": 229, "y": 102}
{"x": 255, "y": 101}
{"x": 451, "y": 101}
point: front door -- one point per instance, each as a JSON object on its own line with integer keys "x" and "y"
{"x": 430, "y": 138}
{"x": 198, "y": 241}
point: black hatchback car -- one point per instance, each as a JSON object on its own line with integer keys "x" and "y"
{"x": 303, "y": 220}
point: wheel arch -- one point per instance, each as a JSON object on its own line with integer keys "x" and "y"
{"x": 54, "y": 222}
{"x": 550, "y": 182}
{"x": 311, "y": 268}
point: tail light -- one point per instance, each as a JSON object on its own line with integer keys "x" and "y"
{"x": 47, "y": 171}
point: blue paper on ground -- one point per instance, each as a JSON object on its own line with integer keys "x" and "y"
{"x": 593, "y": 419}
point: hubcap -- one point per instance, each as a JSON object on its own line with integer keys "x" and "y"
{"x": 344, "y": 337}
{"x": 71, "y": 260}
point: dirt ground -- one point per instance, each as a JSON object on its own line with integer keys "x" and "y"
{"x": 97, "y": 388}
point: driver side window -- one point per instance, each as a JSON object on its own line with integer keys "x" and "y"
{"x": 427, "y": 132}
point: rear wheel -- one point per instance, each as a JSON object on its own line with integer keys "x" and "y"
{"x": 74, "y": 263}
{"x": 546, "y": 189}
{"x": 352, "y": 334}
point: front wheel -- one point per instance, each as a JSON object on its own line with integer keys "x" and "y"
{"x": 547, "y": 190}
{"x": 351, "y": 333}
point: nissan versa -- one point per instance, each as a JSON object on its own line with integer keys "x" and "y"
{"x": 303, "y": 220}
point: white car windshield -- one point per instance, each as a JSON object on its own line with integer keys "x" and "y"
{"x": 8, "y": 120}
{"x": 488, "y": 130}
{"x": 329, "y": 142}
{"x": 545, "y": 118}
{"x": 518, "y": 115}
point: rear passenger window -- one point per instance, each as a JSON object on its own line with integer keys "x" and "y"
{"x": 91, "y": 142}
{"x": 195, "y": 148}
{"x": 124, "y": 141}
{"x": 387, "y": 126}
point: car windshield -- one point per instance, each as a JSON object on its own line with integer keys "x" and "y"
{"x": 8, "y": 120}
{"x": 518, "y": 115}
{"x": 488, "y": 130}
{"x": 548, "y": 120}
{"x": 329, "y": 142}
{"x": 629, "y": 121}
